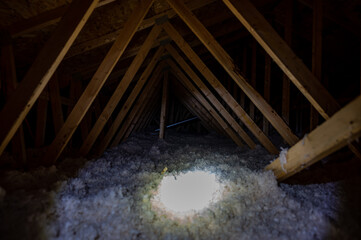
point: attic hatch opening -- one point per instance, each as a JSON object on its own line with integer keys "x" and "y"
{"x": 186, "y": 194}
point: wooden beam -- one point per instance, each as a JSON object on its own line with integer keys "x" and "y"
{"x": 163, "y": 109}
{"x": 209, "y": 76}
{"x": 196, "y": 107}
{"x": 267, "y": 90}
{"x": 138, "y": 108}
{"x": 283, "y": 55}
{"x": 226, "y": 61}
{"x": 55, "y": 100}
{"x": 316, "y": 54}
{"x": 145, "y": 102}
{"x": 146, "y": 23}
{"x": 285, "y": 79}
{"x": 41, "y": 116}
{"x": 43, "y": 68}
{"x": 197, "y": 95}
{"x": 120, "y": 90}
{"x": 253, "y": 76}
{"x": 341, "y": 129}
{"x": 132, "y": 97}
{"x": 8, "y": 77}
{"x": 244, "y": 71}
{"x": 143, "y": 118}
{"x": 98, "y": 80}
{"x": 203, "y": 88}
{"x": 44, "y": 19}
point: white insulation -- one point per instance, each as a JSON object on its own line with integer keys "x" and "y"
{"x": 110, "y": 197}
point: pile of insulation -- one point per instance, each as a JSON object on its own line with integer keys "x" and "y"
{"x": 110, "y": 197}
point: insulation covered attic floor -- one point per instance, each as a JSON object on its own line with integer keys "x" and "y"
{"x": 110, "y": 197}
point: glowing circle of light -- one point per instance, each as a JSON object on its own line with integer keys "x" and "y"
{"x": 188, "y": 192}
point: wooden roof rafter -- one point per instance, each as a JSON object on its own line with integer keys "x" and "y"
{"x": 98, "y": 80}
{"x": 249, "y": 123}
{"x": 105, "y": 142}
{"x": 287, "y": 60}
{"x": 45, "y": 64}
{"x": 121, "y": 88}
{"x": 197, "y": 95}
{"x": 226, "y": 61}
{"x": 338, "y": 131}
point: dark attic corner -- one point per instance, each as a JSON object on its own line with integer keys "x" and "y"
{"x": 180, "y": 119}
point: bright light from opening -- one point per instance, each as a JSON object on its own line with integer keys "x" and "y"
{"x": 188, "y": 192}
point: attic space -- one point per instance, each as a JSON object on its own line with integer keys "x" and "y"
{"x": 180, "y": 119}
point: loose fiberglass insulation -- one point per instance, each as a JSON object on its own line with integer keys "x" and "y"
{"x": 113, "y": 197}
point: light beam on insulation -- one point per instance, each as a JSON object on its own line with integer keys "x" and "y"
{"x": 187, "y": 193}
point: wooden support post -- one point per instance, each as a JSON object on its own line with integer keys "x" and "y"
{"x": 316, "y": 54}
{"x": 238, "y": 110}
{"x": 43, "y": 68}
{"x": 267, "y": 90}
{"x": 196, "y": 94}
{"x": 56, "y": 108}
{"x": 132, "y": 97}
{"x": 163, "y": 109}
{"x": 8, "y": 76}
{"x": 95, "y": 84}
{"x": 226, "y": 61}
{"x": 285, "y": 80}
{"x": 341, "y": 129}
{"x": 253, "y": 76}
{"x": 120, "y": 90}
{"x": 41, "y": 115}
{"x": 283, "y": 55}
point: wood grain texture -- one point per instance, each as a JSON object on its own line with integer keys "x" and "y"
{"x": 43, "y": 68}
{"x": 341, "y": 129}
{"x": 95, "y": 84}
{"x": 226, "y": 61}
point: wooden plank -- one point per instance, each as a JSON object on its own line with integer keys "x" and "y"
{"x": 132, "y": 97}
{"x": 209, "y": 76}
{"x": 196, "y": 94}
{"x": 145, "y": 117}
{"x": 283, "y": 55}
{"x": 226, "y": 61}
{"x": 55, "y": 102}
{"x": 244, "y": 71}
{"x": 341, "y": 129}
{"x": 95, "y": 84}
{"x": 120, "y": 90}
{"x": 316, "y": 54}
{"x": 42, "y": 20}
{"x": 199, "y": 102}
{"x": 285, "y": 80}
{"x": 138, "y": 108}
{"x": 138, "y": 112}
{"x": 203, "y": 88}
{"x": 8, "y": 76}
{"x": 163, "y": 109}
{"x": 253, "y": 76}
{"x": 110, "y": 37}
{"x": 41, "y": 116}
{"x": 43, "y": 68}
{"x": 267, "y": 90}
{"x": 195, "y": 107}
